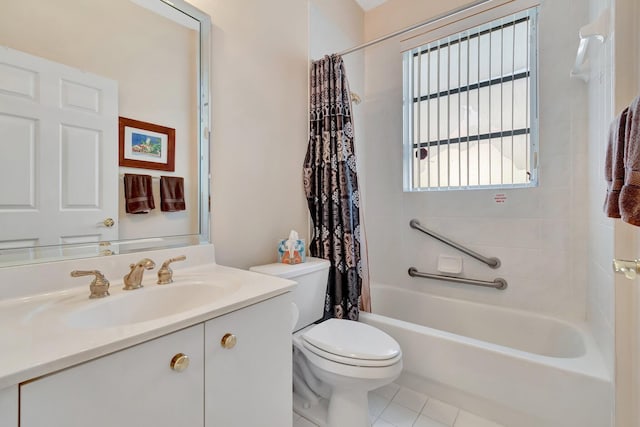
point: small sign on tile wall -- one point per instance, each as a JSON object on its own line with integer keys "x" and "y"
{"x": 500, "y": 198}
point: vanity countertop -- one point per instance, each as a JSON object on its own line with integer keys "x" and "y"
{"x": 38, "y": 336}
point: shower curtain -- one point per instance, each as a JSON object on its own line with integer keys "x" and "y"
{"x": 331, "y": 187}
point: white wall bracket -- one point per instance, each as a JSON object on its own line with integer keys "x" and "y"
{"x": 597, "y": 30}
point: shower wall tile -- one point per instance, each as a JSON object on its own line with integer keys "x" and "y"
{"x": 556, "y": 203}
{"x": 463, "y": 204}
{"x": 539, "y": 233}
{"x": 600, "y": 244}
{"x": 521, "y": 232}
{"x": 555, "y": 234}
{"x": 556, "y": 171}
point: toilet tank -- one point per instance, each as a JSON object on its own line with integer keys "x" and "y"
{"x": 309, "y": 295}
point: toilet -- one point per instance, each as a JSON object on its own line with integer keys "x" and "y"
{"x": 338, "y": 360}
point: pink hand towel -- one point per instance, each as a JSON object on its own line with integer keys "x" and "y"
{"x": 630, "y": 193}
{"x": 614, "y": 165}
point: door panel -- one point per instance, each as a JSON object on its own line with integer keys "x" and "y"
{"x": 17, "y": 172}
{"x": 60, "y": 125}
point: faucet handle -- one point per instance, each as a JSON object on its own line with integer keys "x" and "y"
{"x": 165, "y": 274}
{"x": 99, "y": 286}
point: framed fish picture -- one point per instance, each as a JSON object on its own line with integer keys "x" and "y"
{"x": 146, "y": 145}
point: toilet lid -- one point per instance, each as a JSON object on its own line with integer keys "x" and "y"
{"x": 346, "y": 339}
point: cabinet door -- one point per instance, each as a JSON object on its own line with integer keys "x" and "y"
{"x": 133, "y": 387}
{"x": 249, "y": 385}
{"x": 9, "y": 406}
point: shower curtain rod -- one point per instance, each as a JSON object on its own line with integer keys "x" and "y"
{"x": 414, "y": 27}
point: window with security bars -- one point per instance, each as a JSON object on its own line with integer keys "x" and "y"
{"x": 470, "y": 111}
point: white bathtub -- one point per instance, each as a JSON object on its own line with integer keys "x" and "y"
{"x": 516, "y": 367}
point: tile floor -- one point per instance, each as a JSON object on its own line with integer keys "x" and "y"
{"x": 396, "y": 406}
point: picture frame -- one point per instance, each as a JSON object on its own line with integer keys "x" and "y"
{"x": 146, "y": 145}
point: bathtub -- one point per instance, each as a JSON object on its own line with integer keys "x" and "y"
{"x": 515, "y": 367}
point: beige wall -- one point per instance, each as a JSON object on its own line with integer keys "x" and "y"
{"x": 394, "y": 15}
{"x": 259, "y": 124}
{"x": 153, "y": 61}
{"x": 334, "y": 26}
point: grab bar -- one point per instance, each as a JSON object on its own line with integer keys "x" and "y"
{"x": 491, "y": 262}
{"x": 498, "y": 283}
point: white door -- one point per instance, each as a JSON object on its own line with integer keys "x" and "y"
{"x": 627, "y": 237}
{"x": 58, "y": 153}
{"x": 627, "y": 330}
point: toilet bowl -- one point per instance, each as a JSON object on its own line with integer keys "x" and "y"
{"x": 339, "y": 360}
{"x": 352, "y": 359}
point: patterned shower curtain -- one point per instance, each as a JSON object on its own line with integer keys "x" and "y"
{"x": 331, "y": 187}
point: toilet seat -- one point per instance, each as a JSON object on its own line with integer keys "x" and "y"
{"x": 349, "y": 360}
{"x": 351, "y": 343}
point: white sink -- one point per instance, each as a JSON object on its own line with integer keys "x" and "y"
{"x": 145, "y": 304}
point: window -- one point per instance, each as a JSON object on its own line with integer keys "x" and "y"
{"x": 470, "y": 111}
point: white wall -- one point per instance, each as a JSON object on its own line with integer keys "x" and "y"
{"x": 600, "y": 295}
{"x": 539, "y": 234}
{"x": 259, "y": 124}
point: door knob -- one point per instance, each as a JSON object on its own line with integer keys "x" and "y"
{"x": 627, "y": 267}
{"x": 180, "y": 362}
{"x": 109, "y": 222}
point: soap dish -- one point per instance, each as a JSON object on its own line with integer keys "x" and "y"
{"x": 449, "y": 264}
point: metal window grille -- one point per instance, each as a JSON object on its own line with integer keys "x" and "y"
{"x": 470, "y": 109}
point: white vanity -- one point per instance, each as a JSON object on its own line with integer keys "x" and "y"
{"x": 221, "y": 357}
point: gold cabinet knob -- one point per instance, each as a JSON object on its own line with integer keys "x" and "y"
{"x": 228, "y": 341}
{"x": 109, "y": 222}
{"x": 180, "y": 362}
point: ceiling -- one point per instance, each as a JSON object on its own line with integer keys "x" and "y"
{"x": 369, "y": 4}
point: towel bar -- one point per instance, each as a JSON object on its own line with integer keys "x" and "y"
{"x": 498, "y": 283}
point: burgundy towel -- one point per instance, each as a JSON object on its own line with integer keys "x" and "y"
{"x": 614, "y": 165}
{"x": 172, "y": 194}
{"x": 138, "y": 193}
{"x": 630, "y": 193}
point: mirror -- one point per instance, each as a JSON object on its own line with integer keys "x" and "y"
{"x": 69, "y": 70}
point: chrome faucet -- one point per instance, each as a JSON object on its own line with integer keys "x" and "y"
{"x": 133, "y": 280}
{"x": 165, "y": 274}
{"x": 99, "y": 287}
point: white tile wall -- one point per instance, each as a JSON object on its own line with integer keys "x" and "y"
{"x": 600, "y": 250}
{"x": 538, "y": 233}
